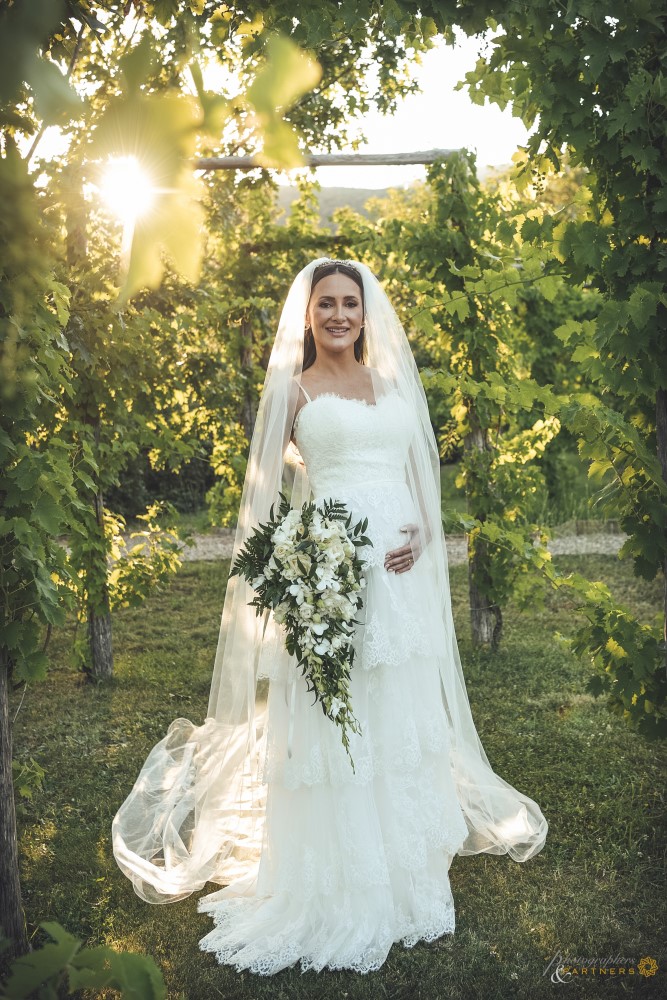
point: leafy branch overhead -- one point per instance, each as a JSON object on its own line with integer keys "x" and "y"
{"x": 164, "y": 130}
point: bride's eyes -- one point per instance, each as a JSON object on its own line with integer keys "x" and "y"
{"x": 327, "y": 303}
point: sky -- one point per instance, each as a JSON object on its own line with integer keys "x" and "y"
{"x": 438, "y": 117}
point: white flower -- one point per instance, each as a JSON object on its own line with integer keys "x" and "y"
{"x": 296, "y": 590}
{"x": 292, "y": 563}
{"x": 258, "y": 581}
{"x": 280, "y": 612}
{"x": 336, "y": 706}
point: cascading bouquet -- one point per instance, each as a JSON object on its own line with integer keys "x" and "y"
{"x": 303, "y": 565}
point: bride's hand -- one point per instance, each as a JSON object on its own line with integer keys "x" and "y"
{"x": 400, "y": 560}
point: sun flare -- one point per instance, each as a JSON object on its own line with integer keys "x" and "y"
{"x": 127, "y": 189}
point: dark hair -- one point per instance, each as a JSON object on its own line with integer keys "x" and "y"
{"x": 323, "y": 271}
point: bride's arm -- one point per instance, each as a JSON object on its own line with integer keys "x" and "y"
{"x": 293, "y": 408}
{"x": 290, "y": 451}
{"x": 419, "y": 535}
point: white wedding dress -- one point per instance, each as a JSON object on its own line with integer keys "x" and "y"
{"x": 352, "y": 862}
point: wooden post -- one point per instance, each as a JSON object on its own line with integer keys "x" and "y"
{"x": 328, "y": 160}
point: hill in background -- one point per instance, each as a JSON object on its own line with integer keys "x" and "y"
{"x": 331, "y": 198}
{"x": 355, "y": 198}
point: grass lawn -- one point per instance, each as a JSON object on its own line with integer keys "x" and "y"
{"x": 594, "y": 890}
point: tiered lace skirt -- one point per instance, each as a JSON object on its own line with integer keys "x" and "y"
{"x": 353, "y": 861}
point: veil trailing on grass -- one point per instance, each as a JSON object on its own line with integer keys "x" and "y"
{"x": 196, "y": 812}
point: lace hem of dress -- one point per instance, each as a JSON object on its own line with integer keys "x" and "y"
{"x": 280, "y": 952}
{"x": 373, "y": 938}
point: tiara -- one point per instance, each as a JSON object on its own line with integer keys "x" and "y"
{"x": 348, "y": 263}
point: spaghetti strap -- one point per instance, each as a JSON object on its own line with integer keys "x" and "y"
{"x": 305, "y": 393}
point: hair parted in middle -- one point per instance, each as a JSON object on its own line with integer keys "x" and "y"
{"x": 323, "y": 270}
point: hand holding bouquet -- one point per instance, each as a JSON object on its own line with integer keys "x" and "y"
{"x": 304, "y": 566}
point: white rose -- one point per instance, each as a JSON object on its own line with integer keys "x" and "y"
{"x": 307, "y": 561}
{"x": 292, "y": 564}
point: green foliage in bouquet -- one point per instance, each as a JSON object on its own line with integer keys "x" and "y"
{"x": 304, "y": 566}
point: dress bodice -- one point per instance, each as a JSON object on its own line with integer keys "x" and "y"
{"x": 347, "y": 442}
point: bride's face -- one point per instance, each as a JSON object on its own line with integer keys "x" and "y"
{"x": 335, "y": 313}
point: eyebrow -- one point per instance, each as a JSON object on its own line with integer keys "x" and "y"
{"x": 352, "y": 295}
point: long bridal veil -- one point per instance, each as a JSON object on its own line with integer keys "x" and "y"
{"x": 196, "y": 812}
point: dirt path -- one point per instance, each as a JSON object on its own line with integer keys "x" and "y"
{"x": 218, "y": 545}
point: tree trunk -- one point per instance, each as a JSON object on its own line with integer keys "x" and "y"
{"x": 12, "y": 919}
{"x": 101, "y": 644}
{"x": 99, "y": 617}
{"x": 481, "y": 611}
{"x": 76, "y": 219}
{"x": 485, "y": 618}
{"x": 661, "y": 434}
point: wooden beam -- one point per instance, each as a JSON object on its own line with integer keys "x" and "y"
{"x": 328, "y": 160}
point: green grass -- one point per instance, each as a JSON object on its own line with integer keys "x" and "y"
{"x": 595, "y": 889}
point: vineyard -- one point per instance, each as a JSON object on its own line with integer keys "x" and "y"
{"x": 133, "y": 347}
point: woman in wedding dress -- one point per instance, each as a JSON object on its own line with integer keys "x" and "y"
{"x": 322, "y": 864}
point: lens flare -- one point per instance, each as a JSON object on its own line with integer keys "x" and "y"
{"x": 127, "y": 189}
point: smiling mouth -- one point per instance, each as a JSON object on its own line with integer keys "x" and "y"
{"x": 337, "y": 329}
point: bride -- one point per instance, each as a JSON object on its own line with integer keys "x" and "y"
{"x": 319, "y": 863}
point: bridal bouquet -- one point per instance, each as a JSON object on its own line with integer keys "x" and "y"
{"x": 303, "y": 564}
